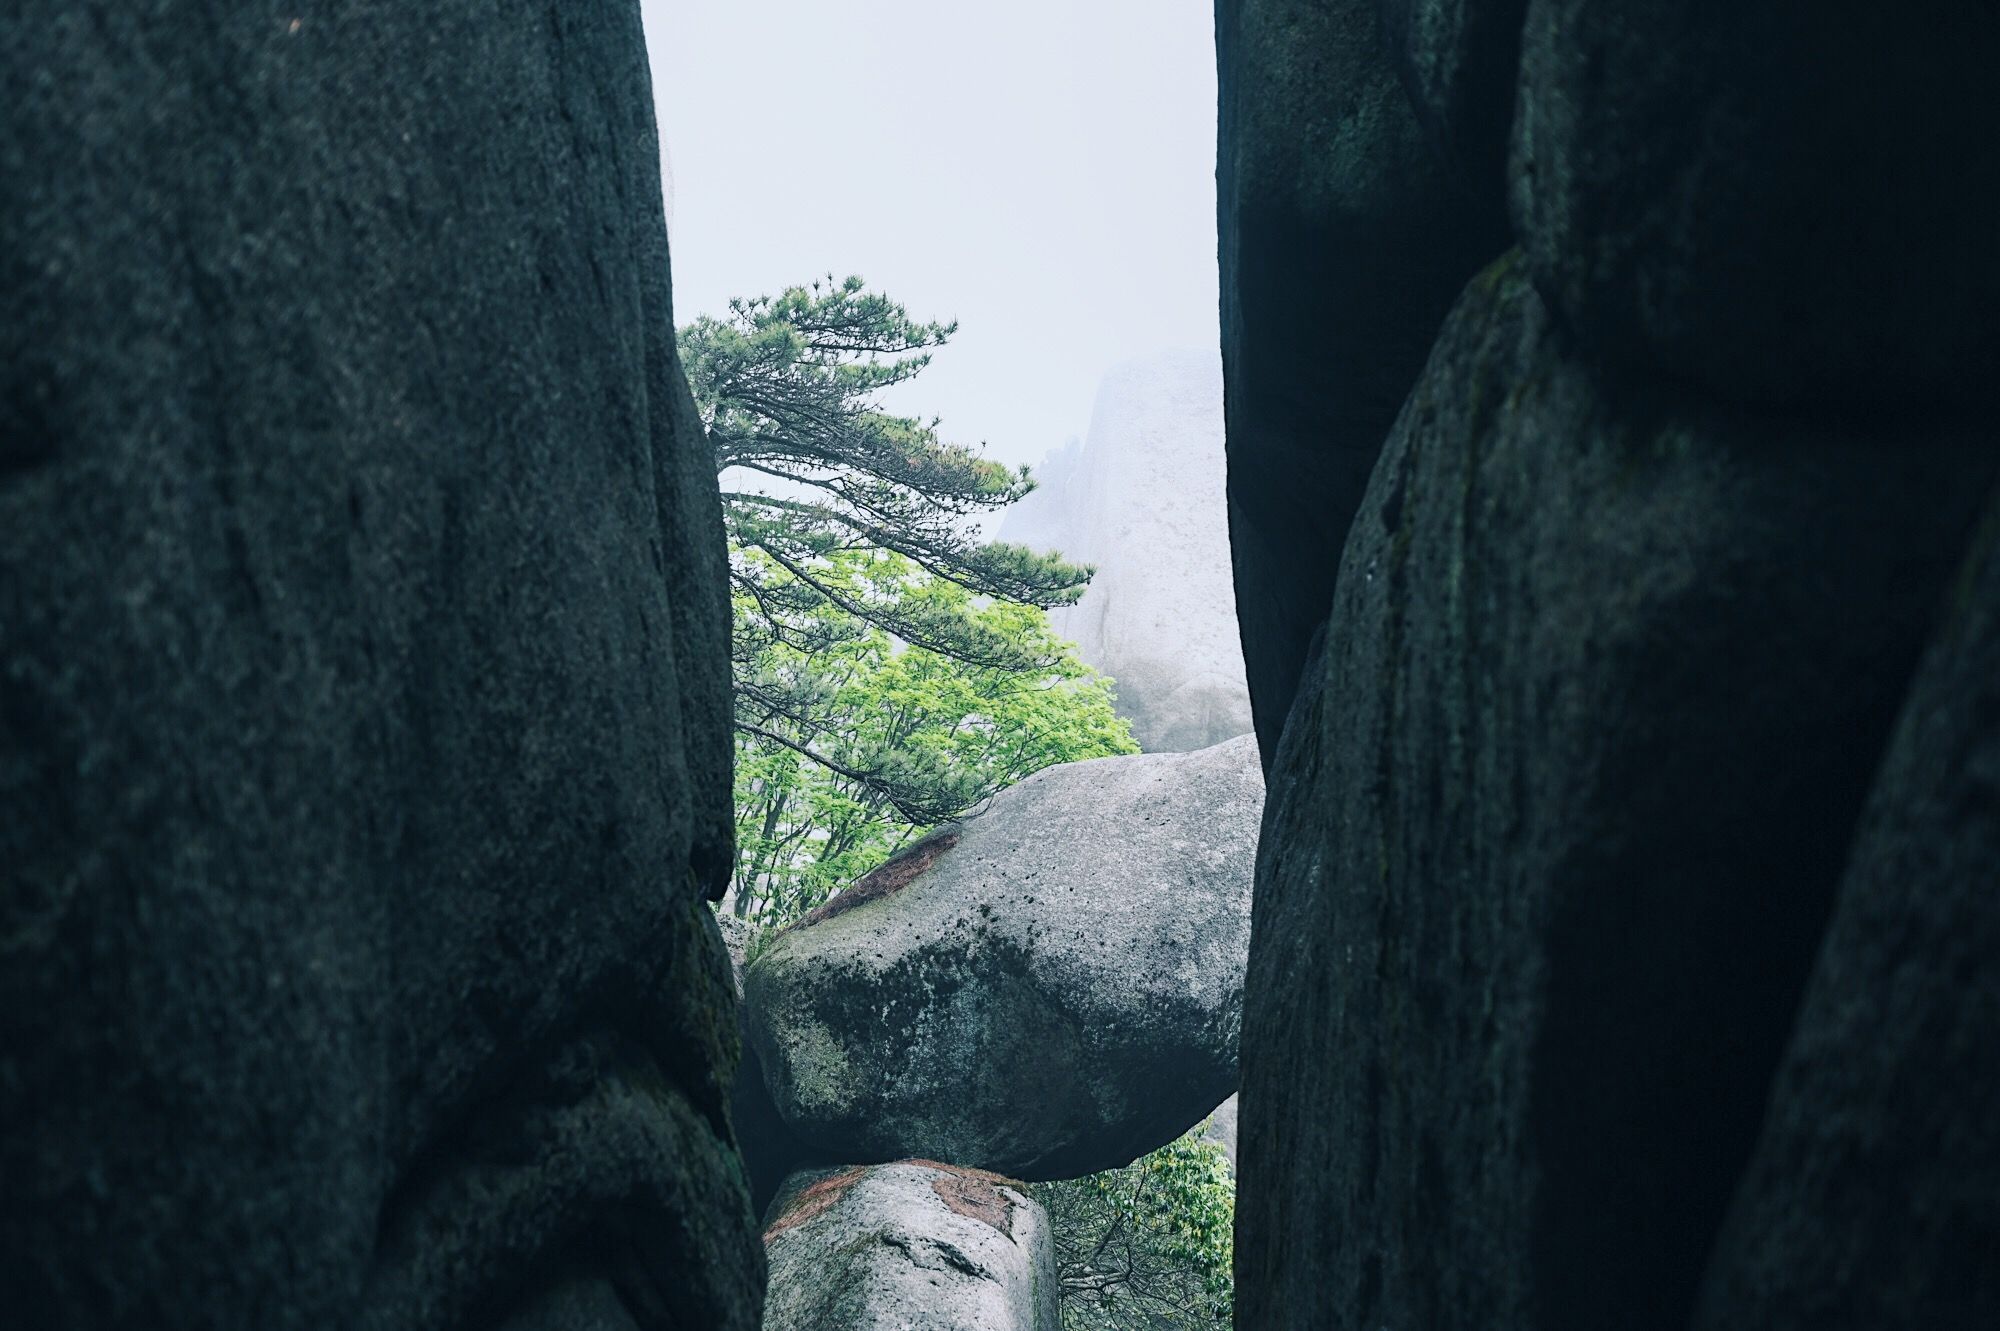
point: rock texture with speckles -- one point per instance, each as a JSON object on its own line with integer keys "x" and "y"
{"x": 1058, "y": 992}
{"x": 1791, "y": 202}
{"x": 910, "y": 1246}
{"x": 1871, "y": 1199}
{"x": 1616, "y": 960}
{"x": 1458, "y": 60}
{"x": 1606, "y": 682}
{"x": 1343, "y": 239}
{"x": 364, "y": 669}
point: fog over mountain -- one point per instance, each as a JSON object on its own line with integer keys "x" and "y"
{"x": 1141, "y": 499}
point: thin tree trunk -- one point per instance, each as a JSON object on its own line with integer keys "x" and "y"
{"x": 747, "y": 886}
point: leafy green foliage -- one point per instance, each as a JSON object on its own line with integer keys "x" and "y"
{"x": 850, "y": 743}
{"x": 891, "y": 669}
{"x": 1148, "y": 1247}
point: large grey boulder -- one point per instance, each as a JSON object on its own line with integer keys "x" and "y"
{"x": 1050, "y": 988}
{"x": 910, "y": 1246}
{"x": 1554, "y": 835}
{"x": 1342, "y": 240}
{"x": 1873, "y": 1198}
{"x": 364, "y": 724}
{"x": 1142, "y": 501}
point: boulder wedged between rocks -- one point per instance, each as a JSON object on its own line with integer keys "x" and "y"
{"x": 1055, "y": 991}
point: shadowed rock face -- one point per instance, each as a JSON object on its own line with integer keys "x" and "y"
{"x": 1458, "y": 60}
{"x": 1343, "y": 240}
{"x": 363, "y": 721}
{"x": 1573, "y": 990}
{"x": 915, "y": 1246}
{"x": 1605, "y": 683}
{"x": 1056, "y": 993}
{"x": 771, "y": 1151}
{"x": 1790, "y": 202}
{"x": 1870, "y": 1199}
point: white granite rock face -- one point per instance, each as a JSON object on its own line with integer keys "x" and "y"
{"x": 911, "y": 1246}
{"x": 1048, "y": 989}
{"x": 1142, "y": 499}
{"x": 1222, "y": 1129}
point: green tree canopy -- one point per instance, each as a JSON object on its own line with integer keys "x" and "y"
{"x": 817, "y": 480}
{"x": 849, "y": 746}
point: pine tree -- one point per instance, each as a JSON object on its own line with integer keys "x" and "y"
{"x": 815, "y": 472}
{"x": 789, "y": 388}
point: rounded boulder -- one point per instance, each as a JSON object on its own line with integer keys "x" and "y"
{"x": 1048, "y": 989}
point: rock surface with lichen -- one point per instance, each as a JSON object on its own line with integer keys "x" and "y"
{"x": 910, "y": 1246}
{"x": 1050, "y": 988}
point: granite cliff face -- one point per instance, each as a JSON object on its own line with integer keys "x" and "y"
{"x": 1141, "y": 499}
{"x": 363, "y": 665}
{"x": 1590, "y": 884}
{"x": 1606, "y": 910}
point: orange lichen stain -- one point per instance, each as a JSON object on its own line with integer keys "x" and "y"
{"x": 815, "y": 1200}
{"x": 974, "y": 1194}
{"x": 892, "y": 876}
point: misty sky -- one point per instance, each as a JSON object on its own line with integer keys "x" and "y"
{"x": 1040, "y": 170}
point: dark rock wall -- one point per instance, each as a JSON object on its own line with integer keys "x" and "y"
{"x": 1563, "y": 815}
{"x": 1458, "y": 61}
{"x": 1791, "y": 202}
{"x": 1871, "y": 1199}
{"x": 1342, "y": 243}
{"x": 363, "y": 727}
{"x": 1574, "y": 1000}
